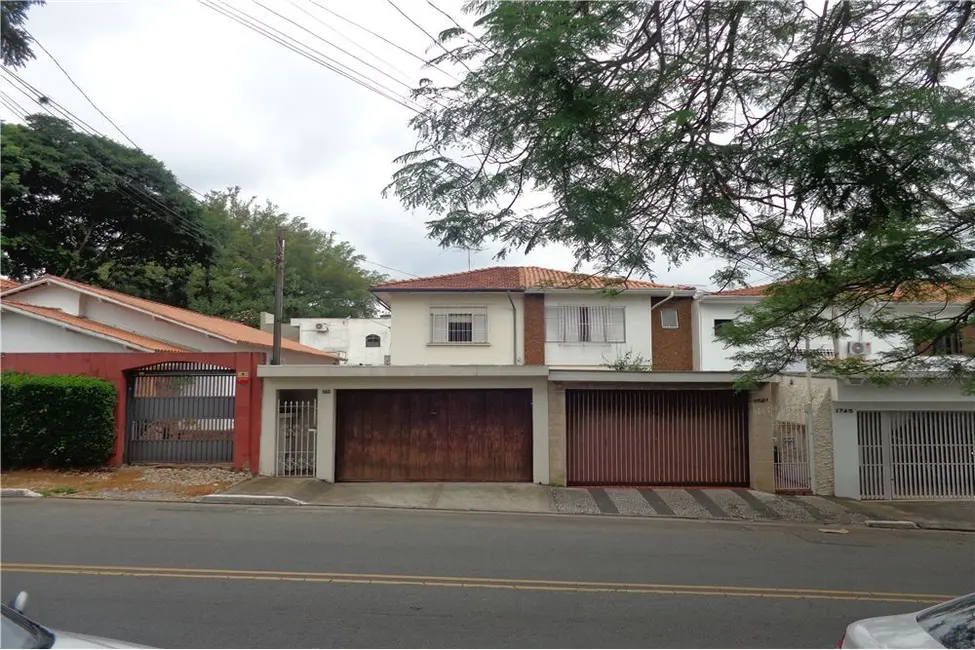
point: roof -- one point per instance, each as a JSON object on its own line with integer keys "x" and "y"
{"x": 520, "y": 278}
{"x": 124, "y": 337}
{"x": 962, "y": 292}
{"x": 213, "y": 325}
{"x": 8, "y": 284}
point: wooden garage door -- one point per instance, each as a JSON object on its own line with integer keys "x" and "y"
{"x": 656, "y": 437}
{"x": 434, "y": 435}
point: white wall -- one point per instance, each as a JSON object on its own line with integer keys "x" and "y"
{"x": 125, "y": 318}
{"x": 410, "y": 319}
{"x": 67, "y": 300}
{"x": 715, "y": 356}
{"x": 637, "y": 323}
{"x": 347, "y": 336}
{"x": 20, "y": 333}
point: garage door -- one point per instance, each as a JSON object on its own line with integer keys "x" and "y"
{"x": 434, "y": 435}
{"x": 916, "y": 454}
{"x": 656, "y": 437}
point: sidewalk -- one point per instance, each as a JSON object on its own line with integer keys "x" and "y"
{"x": 712, "y": 503}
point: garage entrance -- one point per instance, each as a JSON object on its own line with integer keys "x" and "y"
{"x": 434, "y": 435}
{"x": 656, "y": 437}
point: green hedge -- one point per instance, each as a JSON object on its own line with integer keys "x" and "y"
{"x": 57, "y": 421}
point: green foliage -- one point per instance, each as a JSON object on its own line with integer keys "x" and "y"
{"x": 831, "y": 147}
{"x": 73, "y": 203}
{"x": 56, "y": 421}
{"x": 15, "y": 49}
{"x": 630, "y": 362}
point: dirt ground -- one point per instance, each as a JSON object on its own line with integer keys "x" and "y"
{"x": 177, "y": 483}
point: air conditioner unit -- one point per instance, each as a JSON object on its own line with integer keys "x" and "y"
{"x": 321, "y": 327}
{"x": 858, "y": 348}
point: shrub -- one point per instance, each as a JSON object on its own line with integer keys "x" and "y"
{"x": 57, "y": 421}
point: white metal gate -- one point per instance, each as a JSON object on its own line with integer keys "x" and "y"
{"x": 791, "y": 458}
{"x": 296, "y": 434}
{"x": 916, "y": 454}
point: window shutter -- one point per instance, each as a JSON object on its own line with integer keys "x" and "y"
{"x": 597, "y": 324}
{"x": 616, "y": 326}
{"x": 570, "y": 324}
{"x": 438, "y": 328}
{"x": 553, "y": 324}
{"x": 479, "y": 329}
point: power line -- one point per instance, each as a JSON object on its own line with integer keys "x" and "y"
{"x": 15, "y": 108}
{"x": 429, "y": 35}
{"x": 384, "y": 39}
{"x": 389, "y": 268}
{"x": 316, "y": 57}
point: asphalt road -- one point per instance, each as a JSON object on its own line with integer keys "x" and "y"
{"x": 187, "y": 575}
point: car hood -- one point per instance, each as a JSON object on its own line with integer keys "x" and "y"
{"x": 898, "y": 631}
{"x": 73, "y": 640}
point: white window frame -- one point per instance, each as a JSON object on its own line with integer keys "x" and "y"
{"x": 664, "y": 324}
{"x": 440, "y": 320}
{"x": 585, "y": 324}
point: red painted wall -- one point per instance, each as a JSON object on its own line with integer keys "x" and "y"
{"x": 113, "y": 366}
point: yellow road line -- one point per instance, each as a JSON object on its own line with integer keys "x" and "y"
{"x": 472, "y": 583}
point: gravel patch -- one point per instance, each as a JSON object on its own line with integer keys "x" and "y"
{"x": 139, "y": 495}
{"x": 789, "y": 511}
{"x": 835, "y": 513}
{"x": 190, "y": 476}
{"x": 732, "y": 504}
{"x": 683, "y": 504}
{"x": 629, "y": 502}
{"x": 574, "y": 501}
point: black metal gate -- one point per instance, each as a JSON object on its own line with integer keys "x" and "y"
{"x": 180, "y": 412}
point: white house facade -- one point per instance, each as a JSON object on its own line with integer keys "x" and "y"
{"x": 356, "y": 341}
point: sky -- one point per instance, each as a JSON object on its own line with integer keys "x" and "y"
{"x": 223, "y": 106}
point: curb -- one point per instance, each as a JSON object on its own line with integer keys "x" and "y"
{"x": 252, "y": 500}
{"x": 878, "y": 523}
{"x": 19, "y": 492}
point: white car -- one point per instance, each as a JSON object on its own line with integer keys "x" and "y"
{"x": 948, "y": 625}
{"x": 18, "y": 631}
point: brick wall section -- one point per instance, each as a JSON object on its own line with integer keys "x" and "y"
{"x": 673, "y": 349}
{"x": 534, "y": 354}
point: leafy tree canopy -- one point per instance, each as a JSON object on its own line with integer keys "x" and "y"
{"x": 73, "y": 203}
{"x": 15, "y": 49}
{"x": 829, "y": 144}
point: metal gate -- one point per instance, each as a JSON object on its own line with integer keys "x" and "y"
{"x": 916, "y": 454}
{"x": 180, "y": 412}
{"x": 297, "y": 429}
{"x": 791, "y": 462}
{"x": 656, "y": 437}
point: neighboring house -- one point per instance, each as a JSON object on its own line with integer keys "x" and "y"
{"x": 7, "y": 284}
{"x": 356, "y": 341}
{"x": 53, "y": 314}
{"x": 538, "y": 317}
{"x": 713, "y": 310}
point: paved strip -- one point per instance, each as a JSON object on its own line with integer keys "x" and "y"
{"x": 656, "y": 502}
{"x": 602, "y": 500}
{"x": 757, "y": 504}
{"x": 713, "y": 508}
{"x": 474, "y": 582}
{"x": 813, "y": 511}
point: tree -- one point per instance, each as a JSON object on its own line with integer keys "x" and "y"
{"x": 830, "y": 145}
{"x": 87, "y": 208}
{"x": 15, "y": 49}
{"x": 323, "y": 276}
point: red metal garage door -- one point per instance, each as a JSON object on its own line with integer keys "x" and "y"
{"x": 434, "y": 435}
{"x": 656, "y": 437}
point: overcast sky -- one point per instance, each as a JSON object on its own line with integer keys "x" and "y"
{"x": 221, "y": 105}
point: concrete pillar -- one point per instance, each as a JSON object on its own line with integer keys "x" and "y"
{"x": 761, "y": 425}
{"x": 556, "y": 433}
{"x": 325, "y": 443}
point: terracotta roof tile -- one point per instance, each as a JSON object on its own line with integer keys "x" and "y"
{"x": 519, "y": 278}
{"x": 963, "y": 292}
{"x": 93, "y": 326}
{"x": 758, "y": 290}
{"x": 232, "y": 330}
{"x": 8, "y": 284}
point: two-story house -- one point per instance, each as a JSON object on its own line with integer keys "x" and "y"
{"x": 526, "y": 315}
{"x": 529, "y": 374}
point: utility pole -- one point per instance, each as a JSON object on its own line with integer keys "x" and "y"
{"x": 278, "y": 296}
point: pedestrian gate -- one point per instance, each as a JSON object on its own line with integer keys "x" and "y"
{"x": 791, "y": 456}
{"x": 297, "y": 429}
{"x": 916, "y": 454}
{"x": 180, "y": 412}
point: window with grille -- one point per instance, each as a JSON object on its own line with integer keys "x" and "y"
{"x": 372, "y": 341}
{"x": 585, "y": 324}
{"x": 449, "y": 326}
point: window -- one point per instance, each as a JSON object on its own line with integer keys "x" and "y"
{"x": 585, "y": 324}
{"x": 949, "y": 343}
{"x": 372, "y": 341}
{"x": 668, "y": 319}
{"x": 951, "y": 623}
{"x": 449, "y": 326}
{"x": 719, "y": 323}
